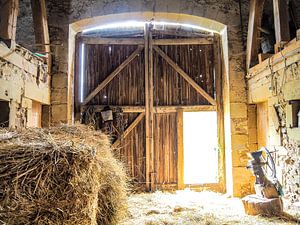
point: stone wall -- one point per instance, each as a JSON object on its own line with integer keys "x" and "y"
{"x": 24, "y": 84}
{"x": 277, "y": 82}
{"x": 63, "y": 13}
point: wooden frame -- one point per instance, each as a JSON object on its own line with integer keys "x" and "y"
{"x": 156, "y": 109}
{"x": 149, "y": 109}
{"x": 111, "y": 76}
{"x": 185, "y": 76}
{"x": 111, "y": 41}
{"x": 183, "y": 41}
{"x": 180, "y": 154}
{"x": 255, "y": 17}
{"x": 129, "y": 129}
{"x": 281, "y": 21}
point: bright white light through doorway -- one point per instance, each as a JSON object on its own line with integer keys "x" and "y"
{"x": 200, "y": 147}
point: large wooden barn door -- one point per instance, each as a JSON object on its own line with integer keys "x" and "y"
{"x": 148, "y": 82}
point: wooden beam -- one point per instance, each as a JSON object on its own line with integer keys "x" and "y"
{"x": 156, "y": 109}
{"x": 281, "y": 21}
{"x": 180, "y": 157}
{"x": 253, "y": 41}
{"x": 185, "y": 76}
{"x": 151, "y": 113}
{"x": 183, "y": 41}
{"x": 263, "y": 56}
{"x": 111, "y": 41}
{"x": 149, "y": 109}
{"x": 220, "y": 113}
{"x": 125, "y": 109}
{"x": 41, "y": 31}
{"x": 9, "y": 10}
{"x": 110, "y": 77}
{"x": 191, "y": 108}
{"x": 147, "y": 127}
{"x": 128, "y": 129}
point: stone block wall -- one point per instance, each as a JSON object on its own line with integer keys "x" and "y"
{"x": 227, "y": 12}
{"x": 278, "y": 84}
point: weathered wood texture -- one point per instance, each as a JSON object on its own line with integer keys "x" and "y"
{"x": 126, "y": 88}
{"x": 165, "y": 148}
{"x": 253, "y": 41}
{"x": 171, "y": 93}
{"x": 41, "y": 31}
{"x": 132, "y": 152}
{"x": 8, "y": 22}
{"x": 170, "y": 88}
{"x": 255, "y": 205}
{"x": 281, "y": 20}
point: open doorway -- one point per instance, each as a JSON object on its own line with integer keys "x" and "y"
{"x": 4, "y": 113}
{"x": 200, "y": 147}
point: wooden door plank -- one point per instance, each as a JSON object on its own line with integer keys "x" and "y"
{"x": 180, "y": 156}
{"x": 111, "y": 76}
{"x": 129, "y": 129}
{"x": 185, "y": 76}
{"x": 147, "y": 127}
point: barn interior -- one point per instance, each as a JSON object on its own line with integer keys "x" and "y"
{"x": 193, "y": 107}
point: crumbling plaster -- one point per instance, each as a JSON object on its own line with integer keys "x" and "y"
{"x": 277, "y": 82}
{"x": 24, "y": 84}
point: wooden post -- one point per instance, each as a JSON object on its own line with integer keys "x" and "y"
{"x": 180, "y": 156}
{"x": 281, "y": 21}
{"x": 151, "y": 113}
{"x": 255, "y": 16}
{"x": 9, "y": 10}
{"x": 41, "y": 31}
{"x": 146, "y": 56}
{"x": 149, "y": 108}
{"x": 220, "y": 113}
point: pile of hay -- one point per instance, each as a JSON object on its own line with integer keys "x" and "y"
{"x": 64, "y": 175}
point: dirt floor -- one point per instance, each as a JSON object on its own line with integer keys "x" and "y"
{"x": 188, "y": 207}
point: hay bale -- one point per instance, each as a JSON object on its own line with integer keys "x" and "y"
{"x": 63, "y": 175}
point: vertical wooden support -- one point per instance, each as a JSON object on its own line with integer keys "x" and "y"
{"x": 149, "y": 108}
{"x": 9, "y": 10}
{"x": 39, "y": 14}
{"x": 180, "y": 156}
{"x": 220, "y": 113}
{"x": 255, "y": 16}
{"x": 281, "y": 21}
{"x": 151, "y": 113}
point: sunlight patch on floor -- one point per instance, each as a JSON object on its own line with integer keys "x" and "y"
{"x": 188, "y": 207}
